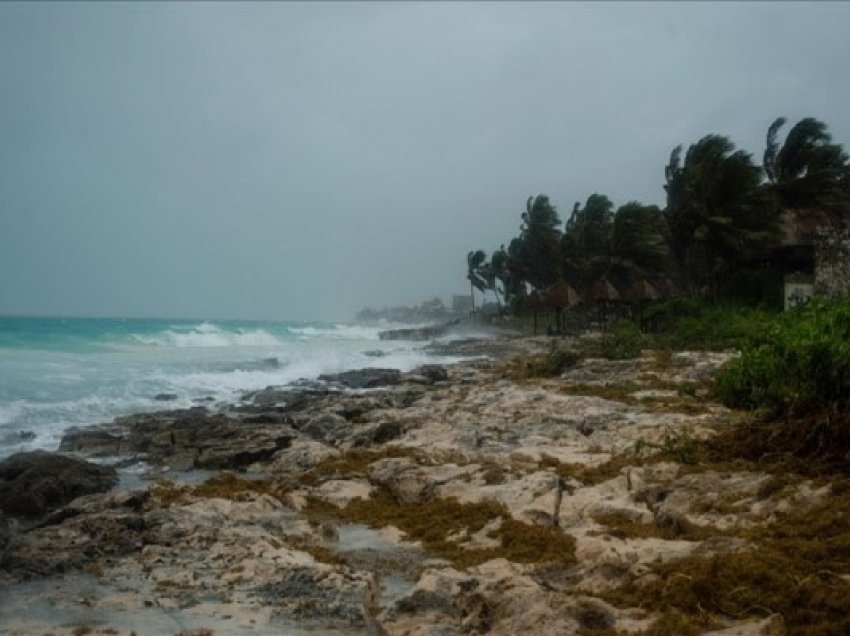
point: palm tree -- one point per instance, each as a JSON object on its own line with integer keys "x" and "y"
{"x": 585, "y": 246}
{"x": 500, "y": 273}
{"x": 474, "y": 262}
{"x": 807, "y": 170}
{"x": 538, "y": 244}
{"x": 640, "y": 246}
{"x": 716, "y": 211}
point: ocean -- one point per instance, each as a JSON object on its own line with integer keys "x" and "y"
{"x": 61, "y": 372}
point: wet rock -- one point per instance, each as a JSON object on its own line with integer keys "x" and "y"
{"x": 33, "y": 484}
{"x": 593, "y": 614}
{"x": 183, "y": 439}
{"x": 93, "y": 442}
{"x": 433, "y": 372}
{"x": 165, "y": 397}
{"x": 268, "y": 417}
{"x": 329, "y": 428}
{"x": 379, "y": 434}
{"x": 302, "y": 455}
{"x": 230, "y": 455}
{"x": 368, "y": 378}
{"x": 311, "y": 593}
{"x": 417, "y": 333}
{"x": 291, "y": 400}
{"x": 17, "y": 437}
{"x": 7, "y": 534}
{"x": 447, "y": 598}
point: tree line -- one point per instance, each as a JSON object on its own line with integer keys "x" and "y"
{"x": 723, "y": 213}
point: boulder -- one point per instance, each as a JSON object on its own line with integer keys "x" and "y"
{"x": 33, "y": 484}
{"x": 7, "y": 532}
{"x": 101, "y": 441}
{"x": 289, "y": 400}
{"x": 184, "y": 439}
{"x": 432, "y": 372}
{"x": 418, "y": 333}
{"x": 368, "y": 378}
{"x": 328, "y": 428}
{"x": 378, "y": 434}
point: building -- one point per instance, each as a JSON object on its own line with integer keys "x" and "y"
{"x": 813, "y": 255}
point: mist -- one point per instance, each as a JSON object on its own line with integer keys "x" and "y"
{"x": 295, "y": 161}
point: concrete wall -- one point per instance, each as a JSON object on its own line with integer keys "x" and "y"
{"x": 832, "y": 263}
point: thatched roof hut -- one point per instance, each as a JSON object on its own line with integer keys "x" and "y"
{"x": 603, "y": 291}
{"x": 562, "y": 295}
{"x": 665, "y": 287}
{"x": 639, "y": 291}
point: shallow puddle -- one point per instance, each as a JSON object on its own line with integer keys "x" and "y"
{"x": 396, "y": 563}
{"x": 75, "y": 603}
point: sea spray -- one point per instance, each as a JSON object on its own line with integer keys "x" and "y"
{"x": 62, "y": 372}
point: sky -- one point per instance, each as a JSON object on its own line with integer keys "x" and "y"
{"x": 300, "y": 161}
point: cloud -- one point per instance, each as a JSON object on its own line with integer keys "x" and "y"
{"x": 299, "y": 161}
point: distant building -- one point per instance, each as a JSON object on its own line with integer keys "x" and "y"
{"x": 813, "y": 255}
{"x": 461, "y": 303}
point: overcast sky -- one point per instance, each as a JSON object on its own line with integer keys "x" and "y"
{"x": 284, "y": 160}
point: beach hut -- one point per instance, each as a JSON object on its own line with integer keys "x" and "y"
{"x": 640, "y": 291}
{"x": 638, "y": 294}
{"x": 534, "y": 301}
{"x": 665, "y": 287}
{"x": 606, "y": 297}
{"x": 559, "y": 297}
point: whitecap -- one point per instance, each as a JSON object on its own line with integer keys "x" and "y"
{"x": 209, "y": 335}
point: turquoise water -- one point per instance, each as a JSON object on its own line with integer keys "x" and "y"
{"x": 62, "y": 372}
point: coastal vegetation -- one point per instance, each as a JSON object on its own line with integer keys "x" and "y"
{"x": 712, "y": 240}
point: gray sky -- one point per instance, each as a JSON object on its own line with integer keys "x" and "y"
{"x": 299, "y": 161}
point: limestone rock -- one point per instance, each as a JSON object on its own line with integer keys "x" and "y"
{"x": 33, "y": 484}
{"x": 368, "y": 378}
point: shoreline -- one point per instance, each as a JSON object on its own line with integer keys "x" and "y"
{"x": 469, "y": 496}
{"x": 124, "y": 369}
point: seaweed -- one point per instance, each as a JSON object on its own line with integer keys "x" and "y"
{"x": 439, "y": 523}
{"x": 354, "y": 463}
{"x": 224, "y": 485}
{"x": 798, "y": 568}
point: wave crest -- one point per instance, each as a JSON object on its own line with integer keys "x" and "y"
{"x": 209, "y": 335}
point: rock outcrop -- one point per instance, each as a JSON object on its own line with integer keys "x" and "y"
{"x": 368, "y": 378}
{"x": 443, "y": 501}
{"x": 35, "y": 483}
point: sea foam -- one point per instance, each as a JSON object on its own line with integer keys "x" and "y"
{"x": 88, "y": 371}
{"x": 209, "y": 335}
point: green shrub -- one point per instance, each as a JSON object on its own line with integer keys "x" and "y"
{"x": 800, "y": 366}
{"x": 553, "y": 363}
{"x": 622, "y": 342}
{"x": 682, "y": 323}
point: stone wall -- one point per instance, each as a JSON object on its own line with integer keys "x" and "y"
{"x": 832, "y": 263}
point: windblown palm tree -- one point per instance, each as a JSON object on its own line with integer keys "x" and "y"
{"x": 807, "y": 170}
{"x": 500, "y": 273}
{"x": 537, "y": 247}
{"x": 475, "y": 260}
{"x": 640, "y": 246}
{"x": 586, "y": 245}
{"x": 716, "y": 211}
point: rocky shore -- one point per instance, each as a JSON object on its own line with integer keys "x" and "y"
{"x": 449, "y": 500}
